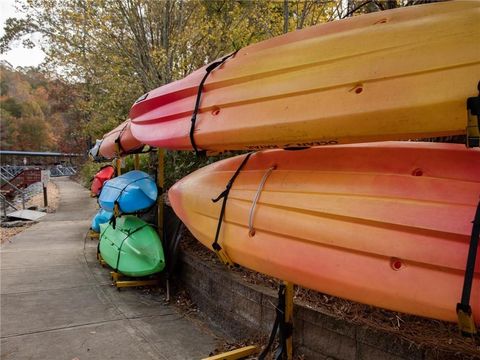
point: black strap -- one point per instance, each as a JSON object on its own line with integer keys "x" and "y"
{"x": 464, "y": 304}
{"x": 113, "y": 220}
{"x": 224, "y": 195}
{"x": 121, "y": 150}
{"x": 473, "y": 107}
{"x": 140, "y": 150}
{"x": 208, "y": 70}
{"x": 121, "y": 244}
{"x": 115, "y": 202}
{"x": 279, "y": 325}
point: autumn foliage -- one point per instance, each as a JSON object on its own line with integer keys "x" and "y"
{"x": 37, "y": 113}
{"x": 113, "y": 51}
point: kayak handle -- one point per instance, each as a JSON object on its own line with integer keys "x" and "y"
{"x": 251, "y": 230}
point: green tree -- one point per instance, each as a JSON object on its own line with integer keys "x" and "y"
{"x": 112, "y": 51}
{"x": 120, "y": 49}
{"x": 11, "y": 107}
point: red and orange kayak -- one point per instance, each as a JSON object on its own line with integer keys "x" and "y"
{"x": 386, "y": 224}
{"x": 392, "y": 75}
{"x": 120, "y": 142}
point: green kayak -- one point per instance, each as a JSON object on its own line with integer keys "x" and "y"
{"x": 133, "y": 248}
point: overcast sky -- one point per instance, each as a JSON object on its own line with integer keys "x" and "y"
{"x": 18, "y": 56}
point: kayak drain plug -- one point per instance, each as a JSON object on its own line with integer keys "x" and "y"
{"x": 357, "y": 89}
{"x": 396, "y": 264}
{"x": 417, "y": 172}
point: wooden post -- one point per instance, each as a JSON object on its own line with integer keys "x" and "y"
{"x": 118, "y": 164}
{"x": 136, "y": 161}
{"x": 289, "y": 317}
{"x": 45, "y": 178}
{"x": 45, "y": 196}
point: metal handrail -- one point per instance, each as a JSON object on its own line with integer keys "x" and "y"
{"x": 6, "y": 203}
{"x": 16, "y": 188}
{"x": 12, "y": 170}
{"x": 62, "y": 171}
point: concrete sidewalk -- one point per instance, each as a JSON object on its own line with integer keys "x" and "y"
{"x": 57, "y": 302}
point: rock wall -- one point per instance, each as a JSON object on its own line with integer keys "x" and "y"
{"x": 243, "y": 310}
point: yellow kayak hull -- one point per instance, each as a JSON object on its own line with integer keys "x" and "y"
{"x": 397, "y": 74}
{"x": 386, "y": 224}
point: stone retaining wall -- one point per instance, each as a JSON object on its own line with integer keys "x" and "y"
{"x": 243, "y": 310}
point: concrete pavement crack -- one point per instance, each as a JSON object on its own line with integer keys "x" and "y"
{"x": 137, "y": 329}
{"x": 80, "y": 326}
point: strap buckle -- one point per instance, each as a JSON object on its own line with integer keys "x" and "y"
{"x": 116, "y": 210}
{"x": 222, "y": 255}
{"x": 466, "y": 323}
{"x": 473, "y": 121}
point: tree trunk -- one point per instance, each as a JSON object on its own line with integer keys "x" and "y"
{"x": 285, "y": 16}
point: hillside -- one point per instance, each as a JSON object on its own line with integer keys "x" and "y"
{"x": 38, "y": 113}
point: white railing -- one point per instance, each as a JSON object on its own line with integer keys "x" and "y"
{"x": 62, "y": 171}
{"x": 10, "y": 172}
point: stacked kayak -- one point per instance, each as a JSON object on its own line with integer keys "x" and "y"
{"x": 104, "y": 174}
{"x": 101, "y": 217}
{"x": 94, "y": 152}
{"x": 410, "y": 78}
{"x": 133, "y": 191}
{"x": 128, "y": 244}
{"x": 386, "y": 224}
{"x": 119, "y": 142}
{"x": 132, "y": 247}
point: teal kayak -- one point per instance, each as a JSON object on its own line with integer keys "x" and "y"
{"x": 132, "y": 248}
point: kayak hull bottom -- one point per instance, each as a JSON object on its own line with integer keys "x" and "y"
{"x": 385, "y": 224}
{"x": 132, "y": 248}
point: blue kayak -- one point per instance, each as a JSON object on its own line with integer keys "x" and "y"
{"x": 133, "y": 191}
{"x": 101, "y": 217}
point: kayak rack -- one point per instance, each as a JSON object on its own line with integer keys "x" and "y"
{"x": 120, "y": 280}
{"x": 93, "y": 235}
{"x": 234, "y": 354}
{"x": 102, "y": 262}
{"x": 119, "y": 283}
{"x": 283, "y": 327}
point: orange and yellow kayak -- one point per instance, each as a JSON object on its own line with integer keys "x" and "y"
{"x": 120, "y": 142}
{"x": 386, "y": 224}
{"x": 392, "y": 75}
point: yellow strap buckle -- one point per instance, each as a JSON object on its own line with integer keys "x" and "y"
{"x": 473, "y": 121}
{"x": 222, "y": 255}
{"x": 116, "y": 210}
{"x": 465, "y": 320}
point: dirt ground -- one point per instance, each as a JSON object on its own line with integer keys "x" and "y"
{"x": 52, "y": 195}
{"x": 36, "y": 200}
